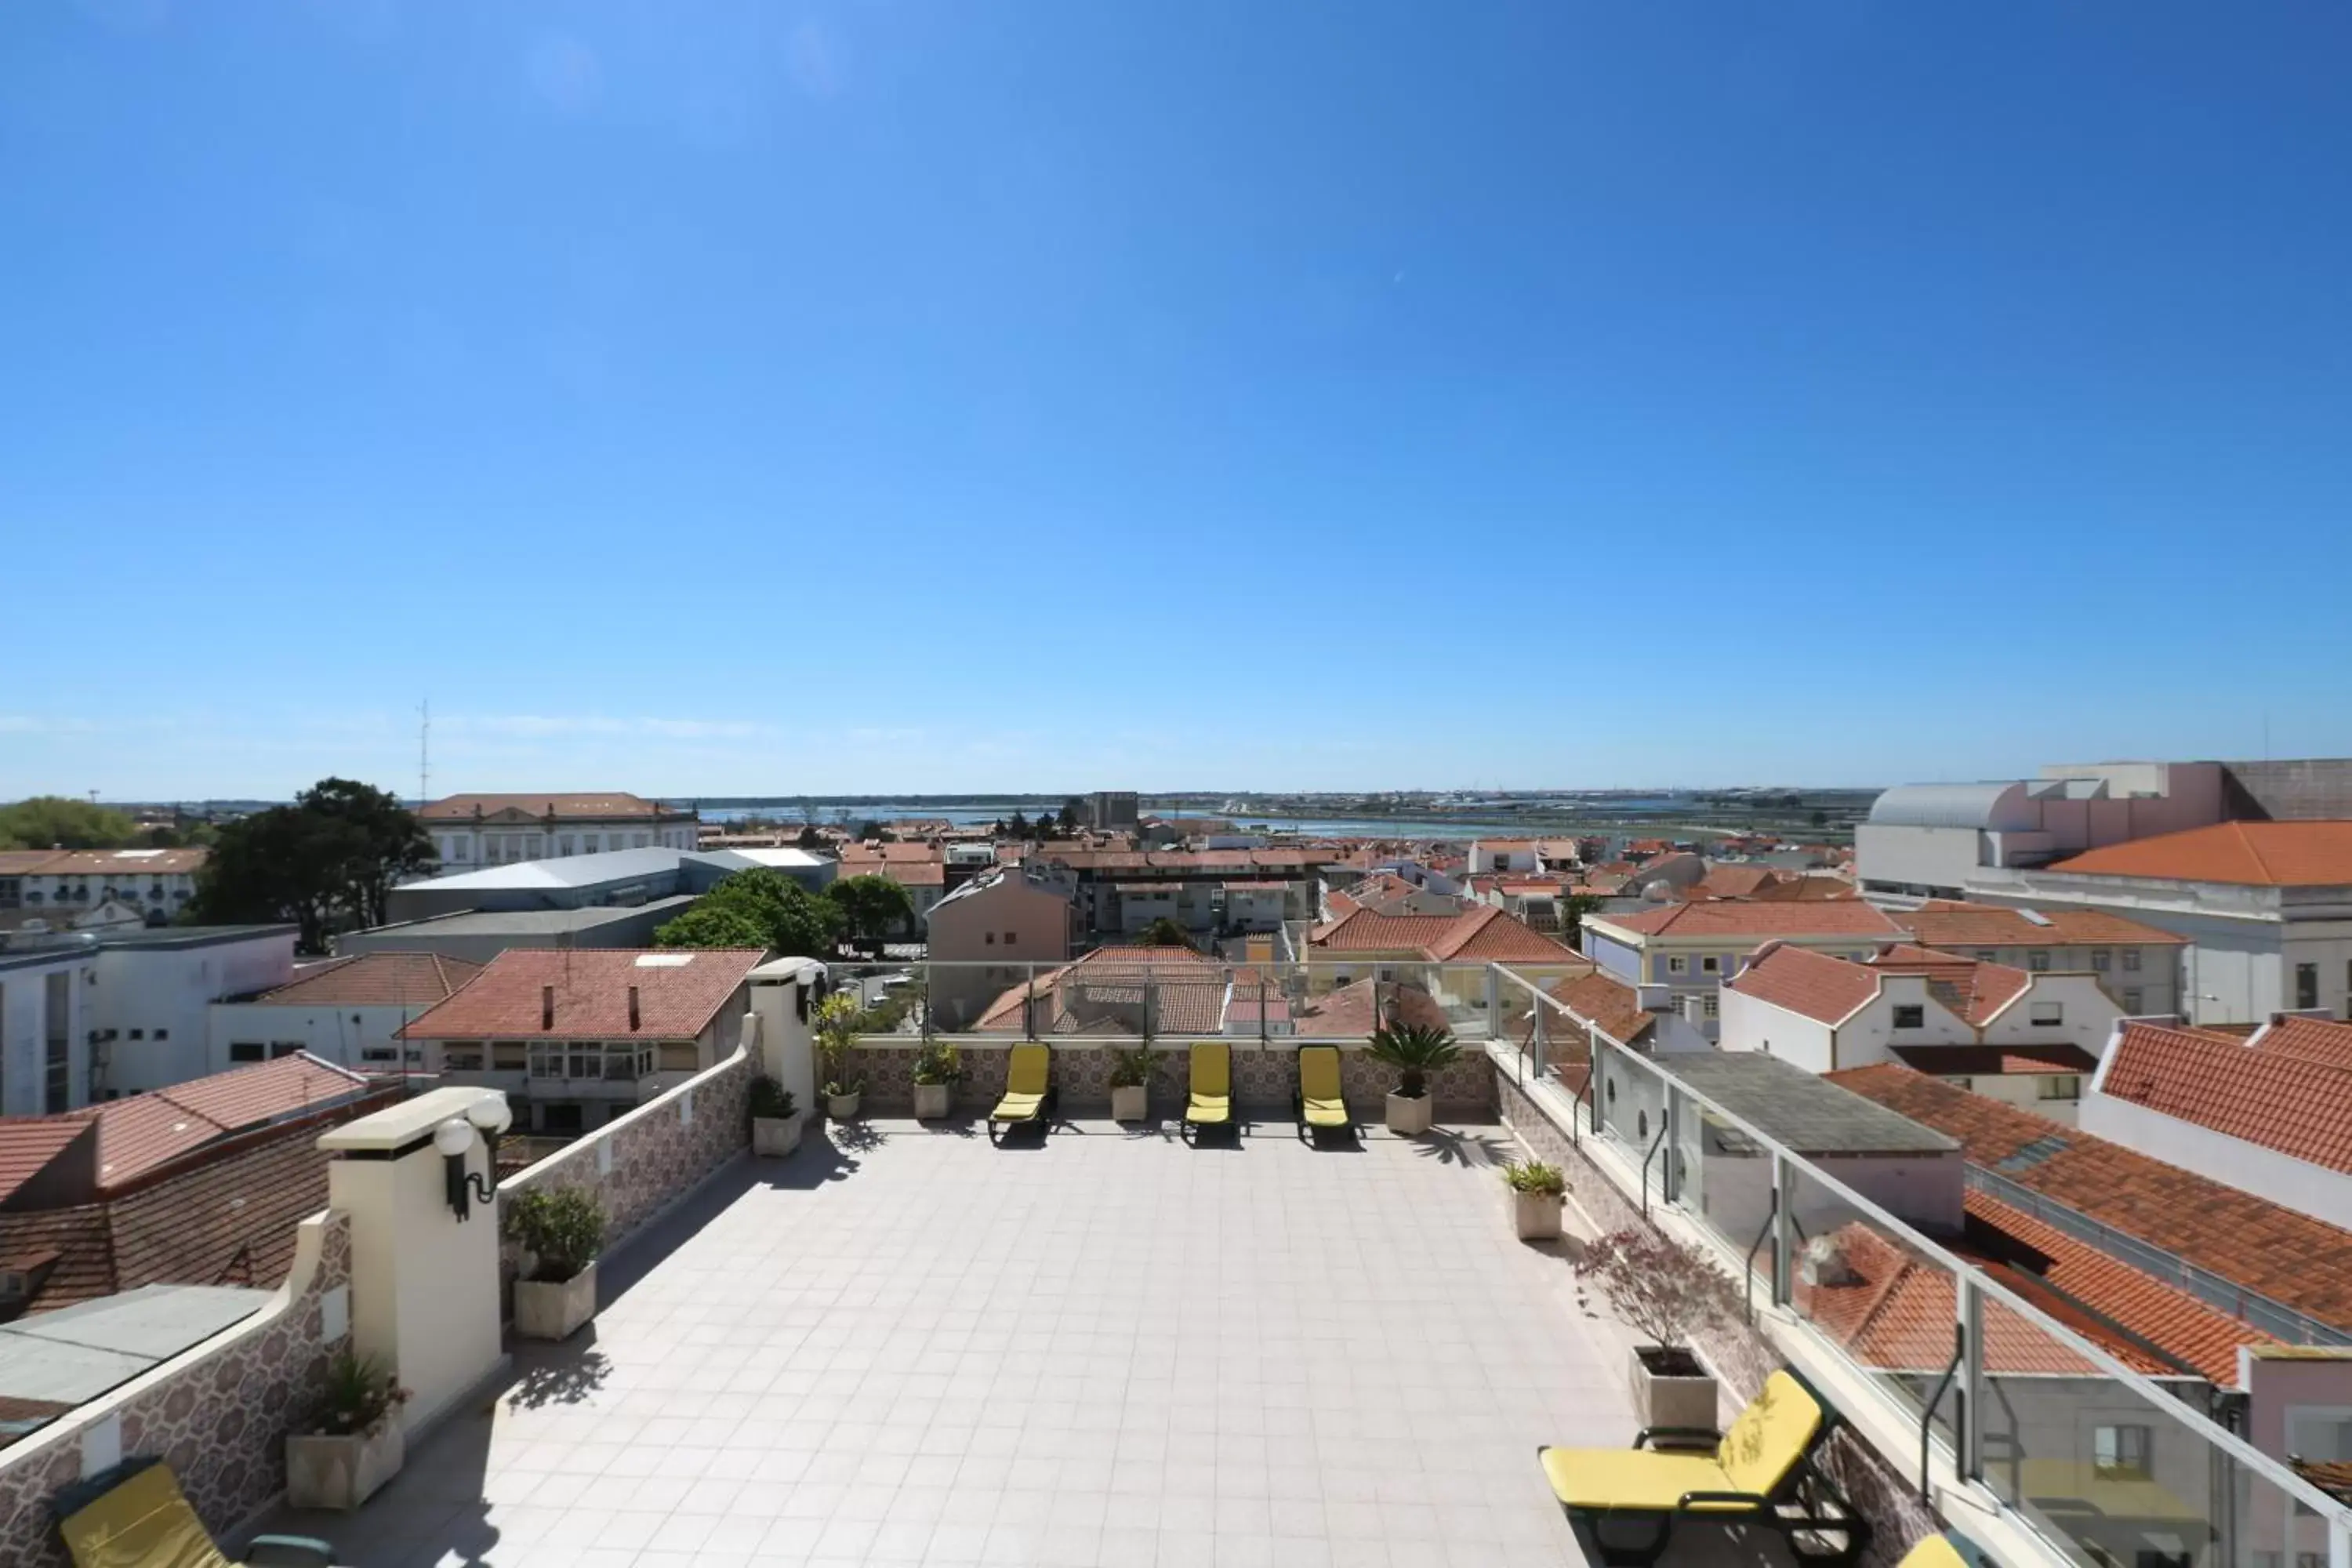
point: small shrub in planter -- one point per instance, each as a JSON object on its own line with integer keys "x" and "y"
{"x": 1415, "y": 1052}
{"x": 938, "y": 1065}
{"x": 1667, "y": 1294}
{"x": 560, "y": 1230}
{"x": 775, "y": 1120}
{"x": 836, "y": 1024}
{"x": 1132, "y": 1071}
{"x": 1537, "y": 1190}
{"x": 354, "y": 1442}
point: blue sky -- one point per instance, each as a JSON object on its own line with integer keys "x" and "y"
{"x": 757, "y": 397}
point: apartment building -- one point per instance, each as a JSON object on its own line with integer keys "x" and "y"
{"x": 1692, "y": 948}
{"x": 472, "y": 830}
{"x": 2138, "y": 963}
{"x": 986, "y": 935}
{"x": 575, "y": 1039}
{"x": 348, "y": 1011}
{"x": 56, "y": 885}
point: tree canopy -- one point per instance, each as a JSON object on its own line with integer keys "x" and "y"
{"x": 758, "y": 908}
{"x": 713, "y": 925}
{"x": 60, "y": 822}
{"x": 1164, "y": 932}
{"x": 330, "y": 859}
{"x": 872, "y": 907}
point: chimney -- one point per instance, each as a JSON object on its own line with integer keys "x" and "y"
{"x": 547, "y": 1006}
{"x": 633, "y": 1007}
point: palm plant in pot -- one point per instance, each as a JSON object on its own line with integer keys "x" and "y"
{"x": 1415, "y": 1050}
{"x": 1536, "y": 1191}
{"x": 560, "y": 1230}
{"x": 938, "y": 1065}
{"x": 775, "y": 1120}
{"x": 353, "y": 1443}
{"x": 836, "y": 1024}
{"x": 1131, "y": 1082}
{"x": 1665, "y": 1294}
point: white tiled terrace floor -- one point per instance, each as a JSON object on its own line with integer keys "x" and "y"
{"x": 1112, "y": 1349}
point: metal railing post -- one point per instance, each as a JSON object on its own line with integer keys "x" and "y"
{"x": 1784, "y": 1230}
{"x": 1537, "y": 1041}
{"x": 1969, "y": 1422}
{"x": 1029, "y": 1005}
{"x": 1669, "y": 1188}
{"x": 1494, "y": 1002}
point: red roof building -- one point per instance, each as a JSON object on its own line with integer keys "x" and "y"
{"x": 592, "y": 993}
{"x": 2253, "y": 854}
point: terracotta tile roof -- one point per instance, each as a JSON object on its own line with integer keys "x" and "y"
{"x": 679, "y": 991}
{"x": 374, "y": 980}
{"x": 1846, "y": 918}
{"x": 906, "y": 873}
{"x": 1106, "y": 992}
{"x": 1812, "y": 985}
{"x": 877, "y": 853}
{"x": 117, "y": 863}
{"x": 1731, "y": 882}
{"x": 1602, "y": 998}
{"x": 2312, "y": 1039}
{"x": 1977, "y": 991}
{"x": 1949, "y": 922}
{"x": 2291, "y": 1258}
{"x": 1349, "y": 1012}
{"x": 577, "y": 807}
{"x": 1893, "y": 1310}
{"x": 1808, "y": 889}
{"x": 28, "y": 1144}
{"x": 1484, "y": 933}
{"x": 2263, "y": 854}
{"x": 2294, "y": 1104}
{"x": 1996, "y": 1061}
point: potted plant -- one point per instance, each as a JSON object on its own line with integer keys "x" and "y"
{"x": 775, "y": 1120}
{"x": 1415, "y": 1050}
{"x": 560, "y": 1230}
{"x": 835, "y": 1023}
{"x": 936, "y": 1068}
{"x": 1537, "y": 1190}
{"x": 1665, "y": 1293}
{"x": 1131, "y": 1082}
{"x": 354, "y": 1442}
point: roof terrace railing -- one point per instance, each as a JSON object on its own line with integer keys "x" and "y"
{"x": 2089, "y": 1451}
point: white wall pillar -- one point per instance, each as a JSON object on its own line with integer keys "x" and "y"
{"x": 424, "y": 1285}
{"x": 783, "y": 994}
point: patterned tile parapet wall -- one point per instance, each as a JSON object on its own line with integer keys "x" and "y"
{"x": 654, "y": 1156}
{"x": 1742, "y": 1357}
{"x": 1266, "y": 1079}
{"x": 219, "y": 1414}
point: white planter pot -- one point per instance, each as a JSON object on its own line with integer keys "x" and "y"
{"x": 1673, "y": 1399}
{"x": 842, "y": 1106}
{"x": 1536, "y": 1214}
{"x": 1411, "y": 1117}
{"x": 773, "y": 1137}
{"x": 545, "y": 1310}
{"x": 342, "y": 1472}
{"x": 931, "y": 1100}
{"x": 1130, "y": 1102}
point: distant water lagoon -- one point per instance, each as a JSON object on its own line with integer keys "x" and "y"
{"x": 966, "y": 812}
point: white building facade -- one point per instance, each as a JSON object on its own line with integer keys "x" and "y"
{"x": 474, "y": 830}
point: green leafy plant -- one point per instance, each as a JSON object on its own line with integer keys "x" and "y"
{"x": 770, "y": 1101}
{"x": 359, "y": 1396}
{"x": 835, "y": 1023}
{"x": 1659, "y": 1290}
{"x": 937, "y": 1062}
{"x": 1415, "y": 1050}
{"x": 1133, "y": 1066}
{"x": 1535, "y": 1176}
{"x": 562, "y": 1227}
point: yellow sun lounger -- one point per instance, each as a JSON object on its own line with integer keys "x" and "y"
{"x": 1949, "y": 1550}
{"x": 1320, "y": 1102}
{"x": 135, "y": 1516}
{"x": 1753, "y": 1474}
{"x": 1028, "y": 1092}
{"x": 1211, "y": 1100}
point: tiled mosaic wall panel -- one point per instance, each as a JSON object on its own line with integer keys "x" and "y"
{"x": 220, "y": 1421}
{"x": 659, "y": 1152}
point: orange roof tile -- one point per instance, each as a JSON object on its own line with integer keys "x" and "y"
{"x": 2297, "y": 1105}
{"x": 2262, "y": 854}
{"x": 1975, "y": 990}
{"x": 679, "y": 991}
{"x": 1845, "y": 918}
{"x": 2313, "y": 1040}
{"x": 1602, "y": 998}
{"x": 1107, "y": 991}
{"x": 117, "y": 863}
{"x": 1813, "y": 985}
{"x": 1355, "y": 1010}
{"x": 575, "y": 806}
{"x": 1949, "y": 922}
{"x": 374, "y": 980}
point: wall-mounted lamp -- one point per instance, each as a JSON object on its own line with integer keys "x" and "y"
{"x": 455, "y": 1136}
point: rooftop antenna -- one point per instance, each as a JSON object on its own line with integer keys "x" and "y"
{"x": 424, "y": 750}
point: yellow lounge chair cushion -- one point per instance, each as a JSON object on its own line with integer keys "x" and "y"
{"x": 1771, "y": 1435}
{"x": 1631, "y": 1477}
{"x": 145, "y": 1522}
{"x": 1326, "y": 1113}
{"x": 1016, "y": 1107}
{"x": 1027, "y": 1071}
{"x": 1933, "y": 1551}
{"x": 1319, "y": 1086}
{"x": 1209, "y": 1107}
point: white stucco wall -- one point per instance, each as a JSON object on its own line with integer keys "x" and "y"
{"x": 2295, "y": 1184}
{"x": 165, "y": 996}
{"x": 344, "y": 1035}
{"x": 1751, "y": 1024}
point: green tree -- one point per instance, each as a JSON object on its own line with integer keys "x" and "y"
{"x": 329, "y": 860}
{"x": 778, "y": 912}
{"x": 1074, "y": 814}
{"x": 1573, "y": 910}
{"x": 1046, "y": 826}
{"x": 1019, "y": 827}
{"x": 810, "y": 837}
{"x": 707, "y": 924}
{"x": 1163, "y": 932}
{"x": 874, "y": 833}
{"x": 58, "y": 822}
{"x": 871, "y": 908}
{"x": 1821, "y": 820}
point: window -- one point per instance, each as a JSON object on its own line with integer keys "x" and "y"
{"x": 283, "y": 1048}
{"x": 246, "y": 1050}
{"x": 1961, "y": 1083}
{"x": 1012, "y": 939}
{"x": 1678, "y": 964}
{"x": 2119, "y": 1452}
{"x": 461, "y": 1061}
{"x": 2059, "y": 1086}
{"x": 2306, "y": 985}
{"x": 1911, "y": 1016}
{"x": 137, "y": 1034}
{"x": 1986, "y": 956}
{"x": 2133, "y": 997}
{"x": 2102, "y": 959}
{"x": 2038, "y": 961}
{"x": 1710, "y": 965}
{"x": 163, "y": 1033}
{"x": 563, "y": 843}
{"x": 2131, "y": 960}
{"x": 379, "y": 1054}
{"x": 641, "y": 841}
{"x": 1712, "y": 1005}
{"x": 988, "y": 939}
{"x": 2048, "y": 1013}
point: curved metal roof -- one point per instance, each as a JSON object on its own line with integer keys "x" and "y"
{"x": 1993, "y": 807}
